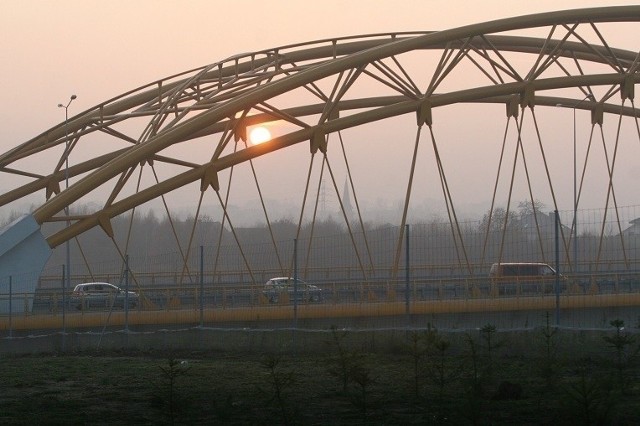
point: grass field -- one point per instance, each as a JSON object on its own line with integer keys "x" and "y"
{"x": 484, "y": 378}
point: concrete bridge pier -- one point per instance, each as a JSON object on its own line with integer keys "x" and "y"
{"x": 23, "y": 253}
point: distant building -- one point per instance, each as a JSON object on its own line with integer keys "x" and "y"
{"x": 346, "y": 199}
{"x": 545, "y": 222}
{"x": 633, "y": 230}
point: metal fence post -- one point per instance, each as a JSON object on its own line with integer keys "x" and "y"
{"x": 10, "y": 306}
{"x": 64, "y": 307}
{"x": 201, "y": 286}
{"x": 126, "y": 293}
{"x": 557, "y": 283}
{"x": 295, "y": 283}
{"x": 407, "y": 286}
{"x": 295, "y": 294}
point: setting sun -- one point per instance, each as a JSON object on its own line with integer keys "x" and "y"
{"x": 259, "y": 135}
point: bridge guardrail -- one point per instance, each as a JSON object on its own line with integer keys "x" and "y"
{"x": 217, "y": 296}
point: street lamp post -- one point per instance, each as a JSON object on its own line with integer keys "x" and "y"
{"x": 575, "y": 181}
{"x": 67, "y": 284}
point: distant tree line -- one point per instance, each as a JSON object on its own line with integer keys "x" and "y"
{"x": 159, "y": 244}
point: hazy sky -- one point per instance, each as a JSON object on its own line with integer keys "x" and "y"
{"x": 100, "y": 49}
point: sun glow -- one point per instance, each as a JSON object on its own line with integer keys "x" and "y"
{"x": 259, "y": 135}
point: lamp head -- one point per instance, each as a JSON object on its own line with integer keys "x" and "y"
{"x": 60, "y": 106}
{"x": 73, "y": 97}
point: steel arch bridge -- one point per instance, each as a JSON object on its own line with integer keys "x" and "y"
{"x": 317, "y": 91}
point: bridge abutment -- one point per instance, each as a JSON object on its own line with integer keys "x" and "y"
{"x": 23, "y": 254}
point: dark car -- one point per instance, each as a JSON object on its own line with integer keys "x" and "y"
{"x": 102, "y": 295}
{"x": 275, "y": 288}
{"x": 524, "y": 278}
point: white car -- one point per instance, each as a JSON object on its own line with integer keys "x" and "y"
{"x": 102, "y": 295}
{"x": 276, "y": 287}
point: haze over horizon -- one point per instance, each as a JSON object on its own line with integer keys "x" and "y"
{"x": 97, "y": 51}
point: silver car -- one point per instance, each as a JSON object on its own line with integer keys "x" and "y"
{"x": 102, "y": 295}
{"x": 275, "y": 288}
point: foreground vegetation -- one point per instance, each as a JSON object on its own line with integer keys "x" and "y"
{"x": 427, "y": 378}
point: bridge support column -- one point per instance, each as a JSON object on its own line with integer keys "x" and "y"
{"x": 23, "y": 254}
